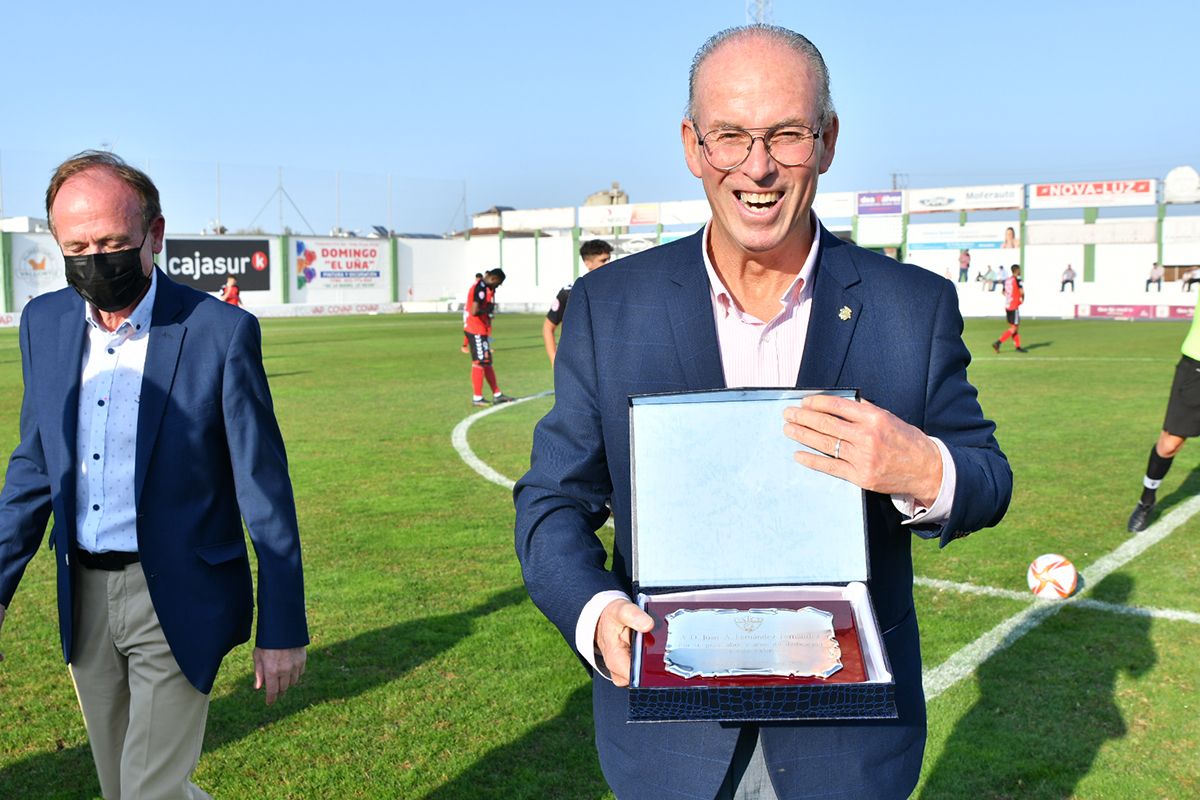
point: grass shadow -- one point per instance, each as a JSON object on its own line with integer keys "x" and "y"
{"x": 1038, "y": 345}
{"x": 1046, "y": 706}
{"x": 335, "y": 672}
{"x": 556, "y": 760}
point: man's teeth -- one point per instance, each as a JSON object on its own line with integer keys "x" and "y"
{"x": 760, "y": 198}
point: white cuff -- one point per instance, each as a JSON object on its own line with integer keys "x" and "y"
{"x": 585, "y": 629}
{"x": 907, "y": 505}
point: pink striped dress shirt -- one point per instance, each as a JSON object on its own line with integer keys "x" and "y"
{"x": 756, "y": 352}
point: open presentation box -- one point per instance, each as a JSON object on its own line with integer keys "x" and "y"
{"x": 747, "y": 554}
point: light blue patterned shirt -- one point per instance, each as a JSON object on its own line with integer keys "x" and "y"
{"x": 106, "y": 440}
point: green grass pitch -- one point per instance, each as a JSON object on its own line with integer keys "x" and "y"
{"x": 431, "y": 675}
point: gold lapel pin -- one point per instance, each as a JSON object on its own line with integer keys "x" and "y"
{"x": 845, "y": 313}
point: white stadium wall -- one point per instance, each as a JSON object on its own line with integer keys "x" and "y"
{"x": 1124, "y": 269}
{"x": 1044, "y": 265}
{"x": 534, "y": 268}
{"x": 1181, "y": 241}
{"x": 434, "y": 274}
{"x": 433, "y": 270}
{"x": 301, "y": 275}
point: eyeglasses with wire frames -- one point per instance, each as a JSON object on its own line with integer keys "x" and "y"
{"x": 728, "y": 148}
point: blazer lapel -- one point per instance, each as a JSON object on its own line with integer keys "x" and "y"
{"x": 835, "y": 313}
{"x": 162, "y": 358}
{"x": 73, "y": 334}
{"x": 691, "y": 320}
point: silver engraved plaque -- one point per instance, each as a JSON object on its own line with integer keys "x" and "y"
{"x": 727, "y": 642}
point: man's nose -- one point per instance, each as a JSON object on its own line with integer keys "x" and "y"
{"x": 758, "y": 163}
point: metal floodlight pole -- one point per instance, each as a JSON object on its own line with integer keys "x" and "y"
{"x": 391, "y": 227}
{"x": 758, "y": 11}
{"x": 218, "y": 225}
{"x": 338, "y": 196}
{"x": 279, "y": 191}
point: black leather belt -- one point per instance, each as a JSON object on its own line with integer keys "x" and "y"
{"x": 111, "y": 561}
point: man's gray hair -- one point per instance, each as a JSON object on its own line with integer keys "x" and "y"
{"x": 800, "y": 44}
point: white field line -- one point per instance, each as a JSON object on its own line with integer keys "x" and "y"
{"x": 963, "y": 663}
{"x": 971, "y": 588}
{"x": 1019, "y": 358}
{"x": 1026, "y": 597}
{"x": 459, "y": 439}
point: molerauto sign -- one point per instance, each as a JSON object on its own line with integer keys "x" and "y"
{"x": 204, "y": 264}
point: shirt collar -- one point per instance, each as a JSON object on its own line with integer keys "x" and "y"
{"x": 138, "y": 321}
{"x": 721, "y": 291}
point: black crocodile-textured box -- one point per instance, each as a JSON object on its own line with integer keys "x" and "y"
{"x": 724, "y": 518}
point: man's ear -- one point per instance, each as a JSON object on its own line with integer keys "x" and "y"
{"x": 829, "y": 137}
{"x": 691, "y": 147}
{"x": 158, "y": 230}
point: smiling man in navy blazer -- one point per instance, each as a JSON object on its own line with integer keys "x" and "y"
{"x": 147, "y": 429}
{"x": 763, "y": 296}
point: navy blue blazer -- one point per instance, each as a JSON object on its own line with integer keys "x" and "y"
{"x": 209, "y": 454}
{"x": 645, "y": 324}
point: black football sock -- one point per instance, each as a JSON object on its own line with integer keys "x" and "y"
{"x": 1156, "y": 470}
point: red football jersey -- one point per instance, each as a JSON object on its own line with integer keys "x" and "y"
{"x": 485, "y": 296}
{"x": 1013, "y": 293}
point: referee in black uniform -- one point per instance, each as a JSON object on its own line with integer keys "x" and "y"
{"x": 1182, "y": 423}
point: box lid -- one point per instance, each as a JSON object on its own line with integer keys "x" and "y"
{"x": 719, "y": 500}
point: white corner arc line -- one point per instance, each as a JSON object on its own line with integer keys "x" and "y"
{"x": 963, "y": 663}
{"x": 459, "y": 439}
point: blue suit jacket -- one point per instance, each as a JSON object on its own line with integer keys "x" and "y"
{"x": 209, "y": 454}
{"x": 645, "y": 324}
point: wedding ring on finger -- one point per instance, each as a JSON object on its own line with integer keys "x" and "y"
{"x": 837, "y": 449}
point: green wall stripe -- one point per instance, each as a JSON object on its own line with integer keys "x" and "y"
{"x": 1089, "y": 250}
{"x": 285, "y": 247}
{"x": 7, "y": 268}
{"x": 395, "y": 269}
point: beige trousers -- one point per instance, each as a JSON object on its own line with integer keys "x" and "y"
{"x": 145, "y": 720}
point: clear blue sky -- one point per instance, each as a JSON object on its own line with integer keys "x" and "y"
{"x": 535, "y": 104}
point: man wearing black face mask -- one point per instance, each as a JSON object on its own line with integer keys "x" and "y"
{"x": 147, "y": 429}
